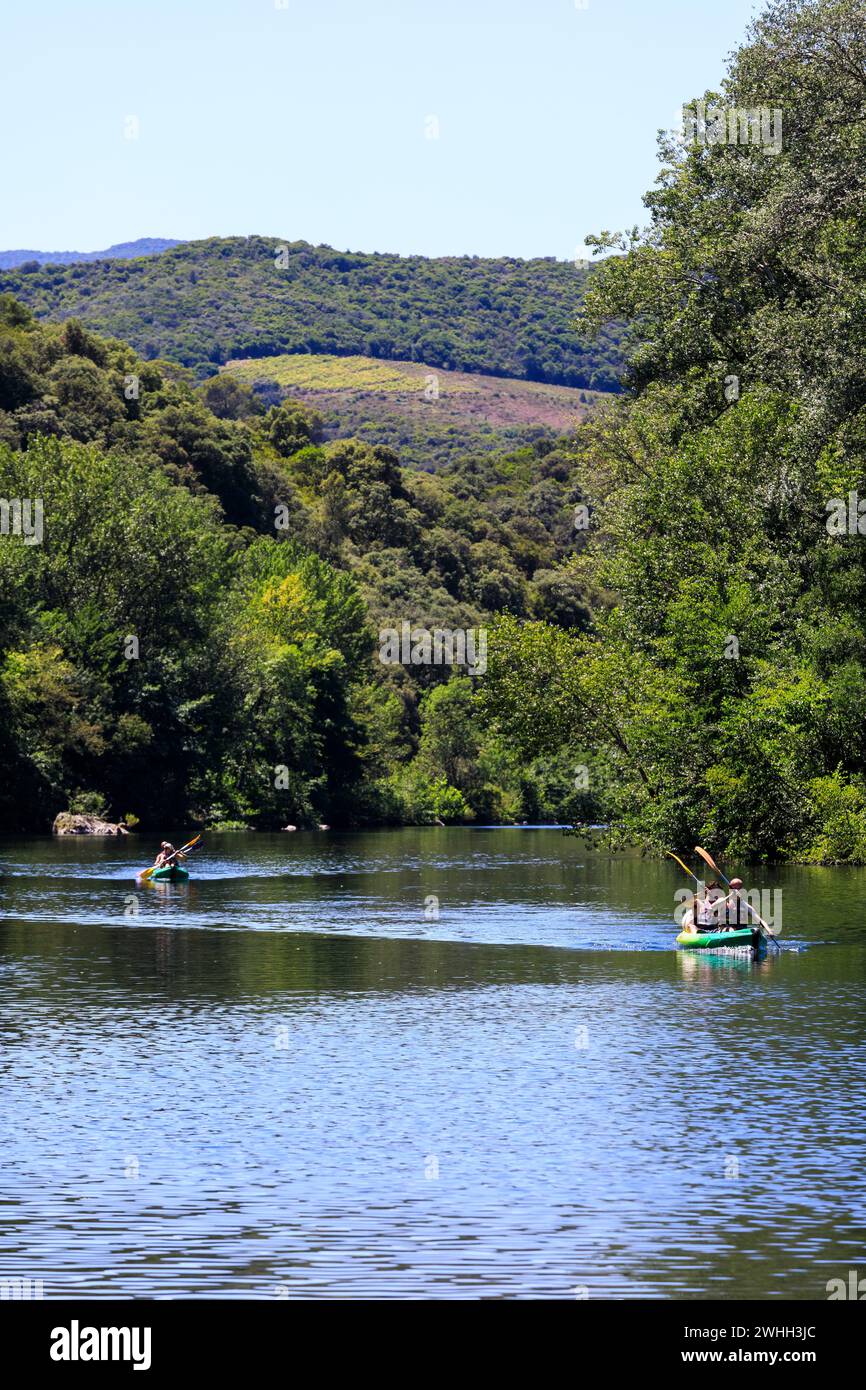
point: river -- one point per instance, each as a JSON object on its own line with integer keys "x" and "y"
{"x": 421, "y": 1063}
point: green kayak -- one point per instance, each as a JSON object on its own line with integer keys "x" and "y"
{"x": 173, "y": 873}
{"x": 735, "y": 939}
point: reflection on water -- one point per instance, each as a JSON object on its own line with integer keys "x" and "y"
{"x": 298, "y": 1076}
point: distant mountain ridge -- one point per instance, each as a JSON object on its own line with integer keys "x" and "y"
{"x": 122, "y": 251}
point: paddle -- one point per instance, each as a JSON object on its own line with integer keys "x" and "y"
{"x": 184, "y": 849}
{"x": 765, "y": 930}
{"x": 682, "y": 865}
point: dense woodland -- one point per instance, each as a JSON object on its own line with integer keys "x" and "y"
{"x": 253, "y": 565}
{"x": 725, "y": 693}
{"x": 203, "y": 303}
{"x": 691, "y": 667}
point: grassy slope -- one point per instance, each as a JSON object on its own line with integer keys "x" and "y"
{"x": 430, "y": 415}
{"x": 205, "y": 302}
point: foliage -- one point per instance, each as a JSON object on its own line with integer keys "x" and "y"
{"x": 727, "y": 688}
{"x": 194, "y": 636}
{"x": 203, "y": 303}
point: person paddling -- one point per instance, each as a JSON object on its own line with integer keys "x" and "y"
{"x": 166, "y": 851}
{"x": 734, "y": 906}
{"x": 708, "y": 915}
{"x": 703, "y": 909}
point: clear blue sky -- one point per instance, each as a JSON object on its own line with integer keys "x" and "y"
{"x": 310, "y": 121}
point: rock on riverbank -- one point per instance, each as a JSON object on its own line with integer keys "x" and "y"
{"x": 68, "y": 824}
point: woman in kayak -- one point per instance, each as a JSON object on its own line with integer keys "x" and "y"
{"x": 702, "y": 912}
{"x": 166, "y": 851}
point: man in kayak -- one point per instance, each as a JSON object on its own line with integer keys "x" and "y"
{"x": 166, "y": 851}
{"x": 734, "y": 911}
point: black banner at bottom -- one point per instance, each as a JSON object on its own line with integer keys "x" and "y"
{"x": 160, "y": 1339}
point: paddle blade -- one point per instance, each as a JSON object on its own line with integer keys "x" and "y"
{"x": 681, "y": 864}
{"x": 708, "y": 859}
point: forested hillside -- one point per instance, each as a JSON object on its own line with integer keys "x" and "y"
{"x": 726, "y": 692}
{"x": 202, "y": 303}
{"x": 194, "y": 633}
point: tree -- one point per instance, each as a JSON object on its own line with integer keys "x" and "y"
{"x": 291, "y": 428}
{"x": 711, "y": 484}
{"x": 230, "y": 399}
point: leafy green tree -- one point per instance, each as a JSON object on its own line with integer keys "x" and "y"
{"x": 300, "y": 635}
{"x": 291, "y": 428}
{"x": 229, "y": 399}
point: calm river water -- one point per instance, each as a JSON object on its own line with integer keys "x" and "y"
{"x": 421, "y": 1063}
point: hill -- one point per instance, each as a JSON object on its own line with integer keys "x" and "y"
{"x": 200, "y": 609}
{"x": 204, "y": 303}
{"x": 123, "y": 250}
{"x": 429, "y": 415}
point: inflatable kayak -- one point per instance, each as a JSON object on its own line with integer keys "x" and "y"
{"x": 173, "y": 873}
{"x": 736, "y": 939}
